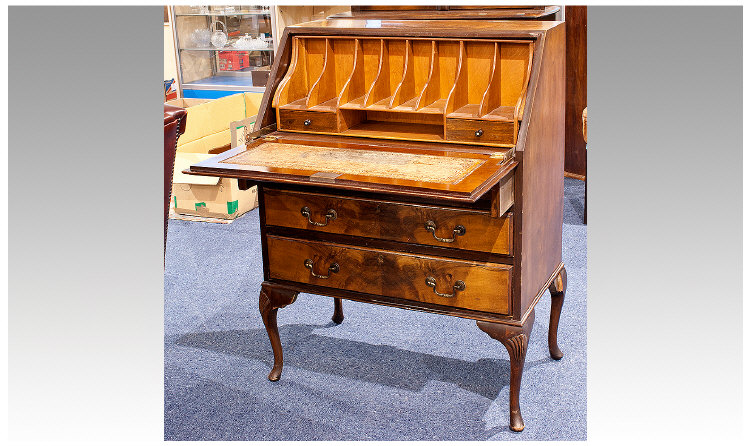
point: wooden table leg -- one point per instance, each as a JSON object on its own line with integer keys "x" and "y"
{"x": 557, "y": 290}
{"x": 338, "y": 311}
{"x": 516, "y": 340}
{"x": 272, "y": 297}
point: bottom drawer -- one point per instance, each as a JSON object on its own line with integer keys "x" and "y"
{"x": 455, "y": 283}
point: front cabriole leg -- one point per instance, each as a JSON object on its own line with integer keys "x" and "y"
{"x": 557, "y": 290}
{"x": 272, "y": 297}
{"x": 516, "y": 340}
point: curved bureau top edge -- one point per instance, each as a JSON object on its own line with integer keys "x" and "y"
{"x": 428, "y": 28}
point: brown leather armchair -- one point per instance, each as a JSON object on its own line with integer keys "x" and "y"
{"x": 175, "y": 119}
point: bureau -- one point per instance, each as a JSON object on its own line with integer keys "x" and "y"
{"x": 416, "y": 164}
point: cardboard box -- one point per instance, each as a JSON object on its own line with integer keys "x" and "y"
{"x": 233, "y": 60}
{"x": 212, "y": 126}
{"x": 240, "y": 131}
{"x": 208, "y": 123}
{"x": 208, "y": 196}
{"x": 186, "y": 102}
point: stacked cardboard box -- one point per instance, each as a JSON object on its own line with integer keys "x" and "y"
{"x": 207, "y": 133}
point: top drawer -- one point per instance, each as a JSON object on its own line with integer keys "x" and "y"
{"x": 402, "y": 222}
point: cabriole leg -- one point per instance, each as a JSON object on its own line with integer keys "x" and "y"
{"x": 338, "y": 311}
{"x": 557, "y": 290}
{"x": 516, "y": 340}
{"x": 272, "y": 297}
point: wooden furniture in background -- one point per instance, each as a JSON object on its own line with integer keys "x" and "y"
{"x": 288, "y": 15}
{"x": 424, "y": 12}
{"x": 575, "y": 90}
{"x": 175, "y": 120}
{"x": 416, "y": 164}
{"x": 586, "y": 180}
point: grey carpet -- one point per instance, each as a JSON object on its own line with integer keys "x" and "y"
{"x": 384, "y": 374}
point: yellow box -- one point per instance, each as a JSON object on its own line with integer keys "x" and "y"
{"x": 207, "y": 129}
{"x": 208, "y": 196}
{"x": 207, "y": 133}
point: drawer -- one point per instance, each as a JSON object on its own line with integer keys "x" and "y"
{"x": 475, "y": 130}
{"x": 401, "y": 222}
{"x": 456, "y": 283}
{"x": 308, "y": 121}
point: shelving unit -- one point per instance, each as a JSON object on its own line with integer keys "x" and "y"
{"x": 226, "y": 49}
{"x": 418, "y": 89}
{"x": 211, "y": 72}
{"x": 223, "y": 13}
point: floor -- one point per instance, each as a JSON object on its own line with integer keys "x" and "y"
{"x": 383, "y": 374}
{"x": 227, "y": 79}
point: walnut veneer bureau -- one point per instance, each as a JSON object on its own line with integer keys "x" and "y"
{"x": 416, "y": 164}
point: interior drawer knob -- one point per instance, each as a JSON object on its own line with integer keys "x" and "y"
{"x": 458, "y": 230}
{"x": 479, "y": 133}
{"x": 330, "y": 216}
{"x": 307, "y": 123}
{"x": 458, "y": 286}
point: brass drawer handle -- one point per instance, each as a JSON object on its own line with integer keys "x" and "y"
{"x": 479, "y": 133}
{"x": 458, "y": 230}
{"x": 458, "y": 286}
{"x": 307, "y": 123}
{"x": 330, "y": 215}
{"x": 334, "y": 268}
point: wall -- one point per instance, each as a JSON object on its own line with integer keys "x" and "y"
{"x": 291, "y": 15}
{"x": 170, "y": 63}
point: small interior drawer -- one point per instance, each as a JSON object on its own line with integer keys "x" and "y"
{"x": 476, "y": 130}
{"x": 309, "y": 121}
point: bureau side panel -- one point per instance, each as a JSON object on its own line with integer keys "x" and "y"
{"x": 542, "y": 185}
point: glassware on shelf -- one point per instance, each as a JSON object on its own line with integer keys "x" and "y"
{"x": 248, "y": 43}
{"x": 201, "y": 37}
{"x": 241, "y": 43}
{"x": 219, "y": 38}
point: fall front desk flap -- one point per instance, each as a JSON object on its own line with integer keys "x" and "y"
{"x": 450, "y": 172}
